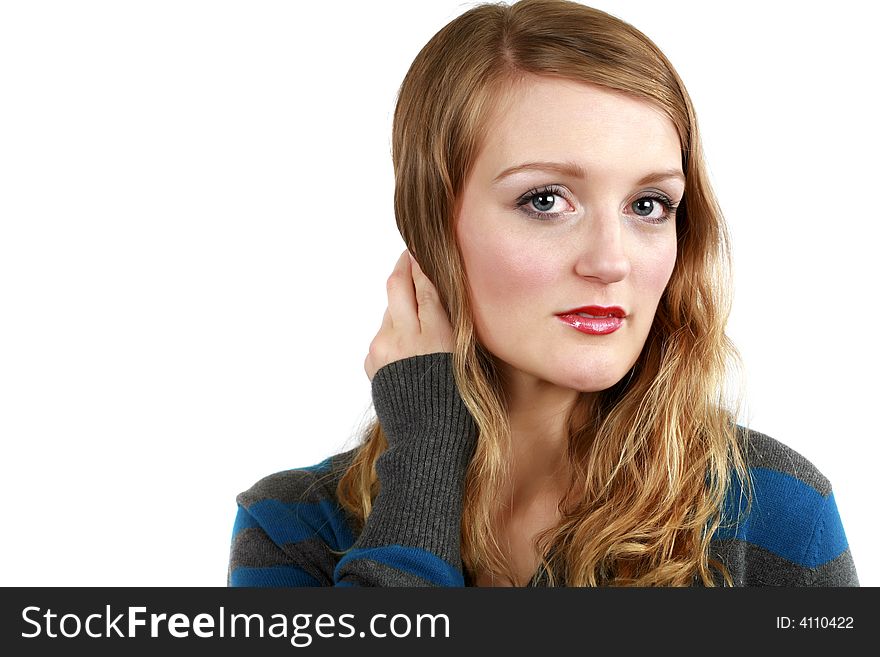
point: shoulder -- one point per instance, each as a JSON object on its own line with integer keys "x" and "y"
{"x": 784, "y": 525}
{"x": 301, "y": 484}
{"x": 299, "y": 504}
{"x": 761, "y": 452}
{"x": 788, "y": 491}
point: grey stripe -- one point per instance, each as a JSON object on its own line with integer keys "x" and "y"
{"x": 380, "y": 572}
{"x": 762, "y": 451}
{"x": 752, "y": 565}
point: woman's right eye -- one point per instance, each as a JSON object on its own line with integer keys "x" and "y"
{"x": 537, "y": 203}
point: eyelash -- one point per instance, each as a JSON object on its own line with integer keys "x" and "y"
{"x": 557, "y": 191}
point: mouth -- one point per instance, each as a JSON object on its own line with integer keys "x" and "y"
{"x": 595, "y": 312}
{"x": 585, "y": 323}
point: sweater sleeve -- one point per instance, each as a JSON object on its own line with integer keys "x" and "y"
{"x": 412, "y": 536}
{"x": 415, "y": 524}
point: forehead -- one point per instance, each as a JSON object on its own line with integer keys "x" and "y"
{"x": 553, "y": 119}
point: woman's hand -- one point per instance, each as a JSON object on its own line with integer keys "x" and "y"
{"x": 415, "y": 321}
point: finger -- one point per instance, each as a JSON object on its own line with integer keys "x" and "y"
{"x": 414, "y": 263}
{"x": 402, "y": 304}
{"x": 430, "y": 309}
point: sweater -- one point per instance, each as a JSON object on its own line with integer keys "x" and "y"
{"x": 290, "y": 528}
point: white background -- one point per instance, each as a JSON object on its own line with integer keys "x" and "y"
{"x": 196, "y": 225}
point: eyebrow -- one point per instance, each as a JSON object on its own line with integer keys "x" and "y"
{"x": 575, "y": 170}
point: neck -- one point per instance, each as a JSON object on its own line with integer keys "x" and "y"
{"x": 538, "y": 413}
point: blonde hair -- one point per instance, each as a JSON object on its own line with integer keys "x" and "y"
{"x": 651, "y": 457}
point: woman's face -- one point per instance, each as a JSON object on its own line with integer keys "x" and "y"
{"x": 545, "y": 239}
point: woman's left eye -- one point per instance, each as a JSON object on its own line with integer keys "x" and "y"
{"x": 649, "y": 203}
{"x": 537, "y": 203}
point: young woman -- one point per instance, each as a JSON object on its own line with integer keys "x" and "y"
{"x": 548, "y": 375}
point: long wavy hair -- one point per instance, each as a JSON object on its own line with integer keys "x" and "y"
{"x": 652, "y": 457}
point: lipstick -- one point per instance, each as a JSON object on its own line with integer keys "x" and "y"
{"x": 601, "y": 321}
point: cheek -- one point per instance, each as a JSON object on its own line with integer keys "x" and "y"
{"x": 506, "y": 270}
{"x": 657, "y": 268}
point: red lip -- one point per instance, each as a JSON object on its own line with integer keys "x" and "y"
{"x": 614, "y": 311}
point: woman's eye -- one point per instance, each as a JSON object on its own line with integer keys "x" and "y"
{"x": 654, "y": 209}
{"x": 540, "y": 203}
{"x": 544, "y": 202}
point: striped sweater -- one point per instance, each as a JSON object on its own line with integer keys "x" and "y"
{"x": 290, "y": 528}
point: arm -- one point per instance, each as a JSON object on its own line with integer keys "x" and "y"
{"x": 415, "y": 524}
{"x": 412, "y": 536}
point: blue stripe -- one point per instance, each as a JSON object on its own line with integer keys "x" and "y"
{"x": 298, "y": 521}
{"x": 829, "y": 539}
{"x": 320, "y": 467}
{"x": 788, "y": 517}
{"x": 243, "y": 520}
{"x": 415, "y": 561}
{"x": 273, "y": 576}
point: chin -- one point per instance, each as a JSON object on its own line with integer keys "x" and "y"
{"x": 594, "y": 380}
{"x": 594, "y": 386}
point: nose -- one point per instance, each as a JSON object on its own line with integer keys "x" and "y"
{"x": 602, "y": 253}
